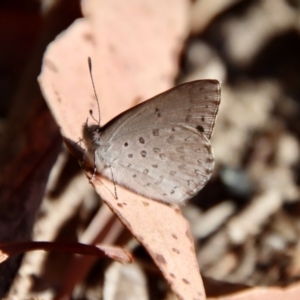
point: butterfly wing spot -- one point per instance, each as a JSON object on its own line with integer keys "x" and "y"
{"x": 146, "y": 171}
{"x": 198, "y": 173}
{"x": 162, "y": 156}
{"x": 126, "y": 144}
{"x": 155, "y": 166}
{"x": 172, "y": 192}
{"x": 200, "y": 128}
{"x": 172, "y": 173}
{"x": 155, "y": 132}
{"x": 170, "y": 139}
{"x": 191, "y": 183}
{"x": 158, "y": 114}
{"x": 191, "y": 139}
{"x": 208, "y": 171}
{"x": 188, "y": 118}
{"x": 143, "y": 153}
{"x": 129, "y": 165}
{"x": 159, "y": 181}
{"x": 134, "y": 175}
{"x": 180, "y": 149}
{"x": 156, "y": 150}
{"x": 148, "y": 184}
{"x": 141, "y": 140}
{"x": 209, "y": 160}
{"x": 130, "y": 155}
{"x": 202, "y": 119}
{"x": 207, "y": 148}
{"x": 181, "y": 167}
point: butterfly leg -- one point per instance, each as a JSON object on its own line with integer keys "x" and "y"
{"x": 79, "y": 141}
{"x": 95, "y": 169}
{"x": 83, "y": 158}
{"x": 113, "y": 178}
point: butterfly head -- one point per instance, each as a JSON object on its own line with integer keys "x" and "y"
{"x": 91, "y": 136}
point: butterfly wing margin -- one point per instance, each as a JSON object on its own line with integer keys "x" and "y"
{"x": 171, "y": 167}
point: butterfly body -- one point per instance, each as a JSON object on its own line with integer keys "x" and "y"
{"x": 161, "y": 147}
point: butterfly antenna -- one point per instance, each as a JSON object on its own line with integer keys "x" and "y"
{"x": 91, "y": 113}
{"x": 97, "y": 100}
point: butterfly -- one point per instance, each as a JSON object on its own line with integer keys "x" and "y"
{"x": 159, "y": 148}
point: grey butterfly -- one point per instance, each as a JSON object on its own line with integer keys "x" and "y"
{"x": 160, "y": 148}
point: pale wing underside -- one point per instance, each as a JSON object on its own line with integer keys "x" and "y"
{"x": 194, "y": 103}
{"x": 166, "y": 163}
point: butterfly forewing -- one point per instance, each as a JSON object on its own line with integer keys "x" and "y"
{"x": 194, "y": 103}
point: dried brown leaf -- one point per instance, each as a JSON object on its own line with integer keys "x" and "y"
{"x": 134, "y": 48}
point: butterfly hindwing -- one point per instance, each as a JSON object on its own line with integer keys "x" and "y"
{"x": 169, "y": 163}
